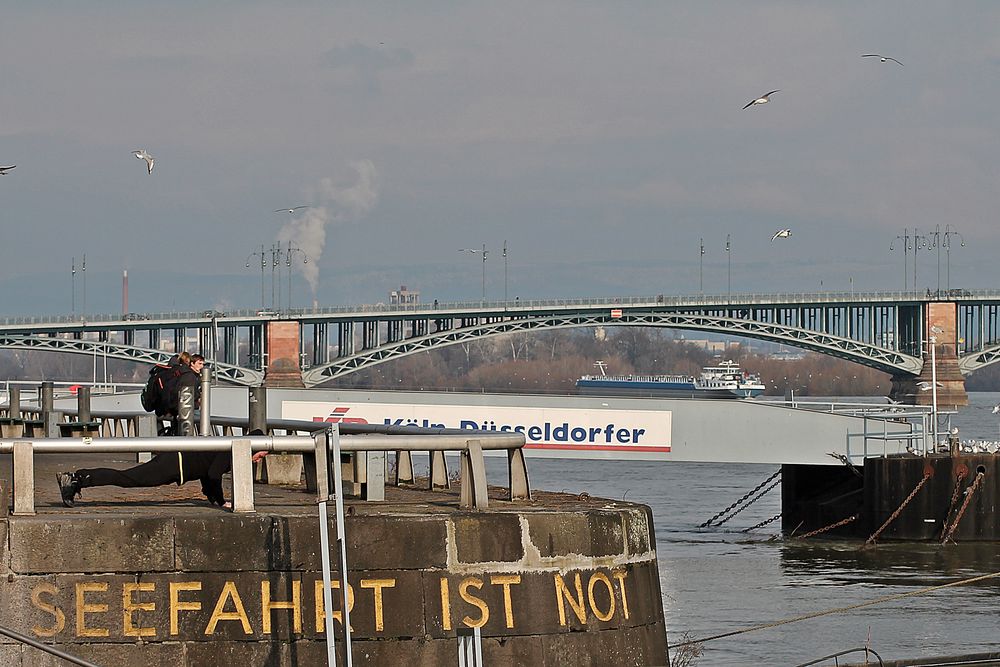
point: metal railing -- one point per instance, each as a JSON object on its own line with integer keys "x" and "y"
{"x": 368, "y": 470}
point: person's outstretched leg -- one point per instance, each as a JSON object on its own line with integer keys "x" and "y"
{"x": 161, "y": 469}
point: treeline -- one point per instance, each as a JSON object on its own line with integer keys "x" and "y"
{"x": 543, "y": 362}
{"x": 552, "y": 361}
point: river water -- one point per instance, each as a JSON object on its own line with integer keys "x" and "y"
{"x": 717, "y": 580}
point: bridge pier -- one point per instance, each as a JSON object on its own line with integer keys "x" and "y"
{"x": 283, "y": 362}
{"x": 941, "y": 323}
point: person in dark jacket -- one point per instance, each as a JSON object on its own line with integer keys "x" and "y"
{"x": 164, "y": 468}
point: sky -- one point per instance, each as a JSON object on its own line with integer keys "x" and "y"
{"x": 603, "y": 143}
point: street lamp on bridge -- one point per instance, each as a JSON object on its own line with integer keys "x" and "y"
{"x": 905, "y": 241}
{"x": 263, "y": 263}
{"x": 289, "y": 253}
{"x": 729, "y": 270}
{"x": 485, "y": 252}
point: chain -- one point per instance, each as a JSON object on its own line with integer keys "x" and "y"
{"x": 748, "y": 504}
{"x": 965, "y": 503}
{"x": 763, "y": 523}
{"x": 747, "y": 495}
{"x": 842, "y": 522}
{"x": 892, "y": 517}
{"x": 954, "y": 499}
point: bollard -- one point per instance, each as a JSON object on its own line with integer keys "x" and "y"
{"x": 45, "y": 403}
{"x": 206, "y": 402}
{"x": 83, "y": 404}
{"x": 15, "y": 403}
{"x": 257, "y": 409}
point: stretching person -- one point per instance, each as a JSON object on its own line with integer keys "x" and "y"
{"x": 164, "y": 468}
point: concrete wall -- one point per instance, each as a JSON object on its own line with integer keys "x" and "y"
{"x": 573, "y": 585}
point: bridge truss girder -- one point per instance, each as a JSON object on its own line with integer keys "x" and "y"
{"x": 975, "y": 360}
{"x": 890, "y": 361}
{"x": 223, "y": 371}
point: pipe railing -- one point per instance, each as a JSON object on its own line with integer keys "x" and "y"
{"x": 470, "y": 447}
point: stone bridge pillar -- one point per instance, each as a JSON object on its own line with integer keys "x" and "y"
{"x": 940, "y": 321}
{"x": 283, "y": 369}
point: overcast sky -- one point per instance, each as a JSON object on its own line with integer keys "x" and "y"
{"x": 601, "y": 141}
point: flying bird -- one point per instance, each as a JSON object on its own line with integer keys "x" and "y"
{"x": 927, "y": 386}
{"x": 290, "y": 210}
{"x": 782, "y": 234}
{"x": 996, "y": 409}
{"x": 880, "y": 57}
{"x": 143, "y": 155}
{"x": 763, "y": 99}
{"x": 4, "y": 170}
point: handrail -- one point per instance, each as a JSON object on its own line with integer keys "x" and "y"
{"x": 25, "y": 639}
{"x": 469, "y": 444}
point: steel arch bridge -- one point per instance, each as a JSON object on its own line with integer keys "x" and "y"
{"x": 888, "y": 331}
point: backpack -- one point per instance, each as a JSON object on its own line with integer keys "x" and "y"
{"x": 155, "y": 396}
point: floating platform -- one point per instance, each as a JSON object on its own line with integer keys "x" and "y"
{"x": 957, "y": 497}
{"x": 158, "y": 576}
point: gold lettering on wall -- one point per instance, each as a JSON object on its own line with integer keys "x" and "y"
{"x": 229, "y": 592}
{"x": 378, "y": 585}
{"x": 445, "y": 604}
{"x": 576, "y": 604}
{"x": 295, "y": 604}
{"x": 506, "y": 580}
{"x": 321, "y": 609}
{"x": 620, "y": 576}
{"x": 176, "y": 605}
{"x": 58, "y": 617}
{"x": 129, "y": 607}
{"x": 463, "y": 591}
{"x": 603, "y": 578}
{"x": 83, "y": 608}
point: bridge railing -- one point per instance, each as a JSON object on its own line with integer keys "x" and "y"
{"x": 720, "y": 300}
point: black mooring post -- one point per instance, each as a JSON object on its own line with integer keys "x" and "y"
{"x": 257, "y": 409}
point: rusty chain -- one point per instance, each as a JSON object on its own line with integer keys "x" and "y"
{"x": 892, "y": 517}
{"x": 745, "y": 496}
{"x": 971, "y": 491}
{"x": 749, "y": 503}
{"x": 842, "y": 522}
{"x": 954, "y": 500}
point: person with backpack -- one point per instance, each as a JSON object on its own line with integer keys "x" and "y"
{"x": 177, "y": 390}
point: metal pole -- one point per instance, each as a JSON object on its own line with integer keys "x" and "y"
{"x": 206, "y": 401}
{"x": 934, "y": 410}
{"x": 484, "y": 272}
{"x": 729, "y": 271}
{"x": 505, "y": 270}
{"x": 701, "y": 267}
{"x": 84, "y": 272}
{"x": 73, "y": 287}
{"x": 263, "y": 259}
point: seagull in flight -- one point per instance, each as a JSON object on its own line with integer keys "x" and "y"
{"x": 996, "y": 409}
{"x": 763, "y": 99}
{"x": 290, "y": 210}
{"x": 4, "y": 170}
{"x": 782, "y": 234}
{"x": 880, "y": 57}
{"x": 143, "y": 155}
{"x": 927, "y": 386}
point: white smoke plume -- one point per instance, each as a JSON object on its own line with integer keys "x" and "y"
{"x": 335, "y": 203}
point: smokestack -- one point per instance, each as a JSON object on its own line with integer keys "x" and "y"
{"x": 124, "y": 291}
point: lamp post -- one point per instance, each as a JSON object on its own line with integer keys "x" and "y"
{"x": 288, "y": 262}
{"x": 905, "y": 238}
{"x": 485, "y": 253}
{"x": 701, "y": 267}
{"x": 946, "y": 241}
{"x": 729, "y": 271}
{"x": 72, "y": 281}
{"x": 263, "y": 263}
{"x": 83, "y": 270}
{"x": 919, "y": 241}
{"x": 504, "y": 269}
